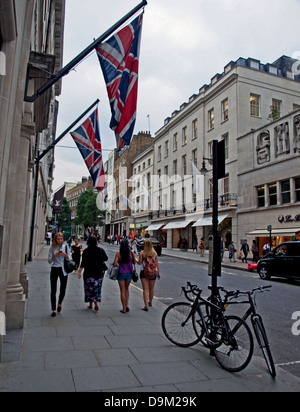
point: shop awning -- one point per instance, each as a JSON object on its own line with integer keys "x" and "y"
{"x": 178, "y": 225}
{"x": 275, "y": 232}
{"x": 155, "y": 226}
{"x": 207, "y": 221}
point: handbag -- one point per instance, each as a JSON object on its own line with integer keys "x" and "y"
{"x": 113, "y": 272}
{"x": 135, "y": 277}
{"x": 69, "y": 265}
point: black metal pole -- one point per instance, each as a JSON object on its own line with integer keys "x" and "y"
{"x": 216, "y": 272}
{"x": 64, "y": 71}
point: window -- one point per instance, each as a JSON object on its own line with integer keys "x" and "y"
{"x": 195, "y": 157}
{"x": 296, "y": 107}
{"x": 184, "y": 136}
{"x": 175, "y": 167}
{"x": 261, "y": 196}
{"x": 255, "y": 105}
{"x": 225, "y": 137}
{"x": 159, "y": 154}
{"x": 273, "y": 194}
{"x": 211, "y": 119}
{"x": 195, "y": 129}
{"x": 175, "y": 142}
{"x": 276, "y": 105}
{"x": 184, "y": 165}
{"x": 167, "y": 148}
{"x": 297, "y": 189}
{"x": 286, "y": 192}
{"x": 225, "y": 107}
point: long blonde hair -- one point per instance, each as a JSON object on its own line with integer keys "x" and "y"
{"x": 148, "y": 248}
{"x": 54, "y": 242}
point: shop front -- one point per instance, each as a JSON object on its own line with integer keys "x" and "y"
{"x": 179, "y": 234}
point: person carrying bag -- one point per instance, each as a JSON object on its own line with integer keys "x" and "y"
{"x": 150, "y": 272}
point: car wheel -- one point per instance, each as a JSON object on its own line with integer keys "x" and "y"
{"x": 264, "y": 272}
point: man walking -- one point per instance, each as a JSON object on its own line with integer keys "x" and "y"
{"x": 245, "y": 250}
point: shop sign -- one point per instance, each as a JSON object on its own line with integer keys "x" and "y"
{"x": 288, "y": 218}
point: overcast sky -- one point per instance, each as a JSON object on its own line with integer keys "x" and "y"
{"x": 184, "y": 44}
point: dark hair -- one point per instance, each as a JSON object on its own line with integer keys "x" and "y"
{"x": 92, "y": 241}
{"x": 124, "y": 251}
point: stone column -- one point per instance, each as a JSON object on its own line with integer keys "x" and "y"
{"x": 15, "y": 298}
{"x": 26, "y": 133}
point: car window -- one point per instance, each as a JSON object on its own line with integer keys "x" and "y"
{"x": 293, "y": 250}
{"x": 281, "y": 250}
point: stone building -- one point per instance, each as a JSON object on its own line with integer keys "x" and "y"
{"x": 234, "y": 103}
{"x": 141, "y": 182}
{"x": 120, "y": 210}
{"x": 269, "y": 182}
{"x": 31, "y": 38}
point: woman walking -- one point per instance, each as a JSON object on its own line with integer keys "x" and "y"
{"x": 57, "y": 254}
{"x": 149, "y": 273}
{"x": 76, "y": 253}
{"x": 92, "y": 262}
{"x": 125, "y": 259}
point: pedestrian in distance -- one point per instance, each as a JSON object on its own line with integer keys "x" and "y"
{"x": 93, "y": 263}
{"x": 56, "y": 257}
{"x": 232, "y": 251}
{"x": 202, "y": 247}
{"x": 195, "y": 243}
{"x": 245, "y": 250}
{"x": 150, "y": 272}
{"x": 76, "y": 253}
{"x": 255, "y": 251}
{"x": 125, "y": 259}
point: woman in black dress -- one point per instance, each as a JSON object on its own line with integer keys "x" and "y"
{"x": 92, "y": 262}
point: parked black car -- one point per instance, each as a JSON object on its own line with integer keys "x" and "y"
{"x": 156, "y": 244}
{"x": 283, "y": 261}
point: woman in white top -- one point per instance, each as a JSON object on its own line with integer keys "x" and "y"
{"x": 57, "y": 254}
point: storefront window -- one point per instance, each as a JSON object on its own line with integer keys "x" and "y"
{"x": 261, "y": 196}
{"x": 286, "y": 192}
{"x": 297, "y": 189}
{"x": 273, "y": 194}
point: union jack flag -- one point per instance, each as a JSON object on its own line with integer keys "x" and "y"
{"x": 87, "y": 139}
{"x": 119, "y": 59}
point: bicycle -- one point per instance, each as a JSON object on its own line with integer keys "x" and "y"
{"x": 256, "y": 319}
{"x": 229, "y": 337}
{"x": 258, "y": 325}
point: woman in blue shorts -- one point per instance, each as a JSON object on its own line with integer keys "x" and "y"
{"x": 125, "y": 259}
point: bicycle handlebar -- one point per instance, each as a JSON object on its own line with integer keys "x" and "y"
{"x": 235, "y": 294}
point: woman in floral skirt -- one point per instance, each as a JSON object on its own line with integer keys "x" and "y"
{"x": 92, "y": 262}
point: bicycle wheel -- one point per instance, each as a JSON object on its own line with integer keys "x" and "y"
{"x": 263, "y": 342}
{"x": 179, "y": 327}
{"x": 234, "y": 344}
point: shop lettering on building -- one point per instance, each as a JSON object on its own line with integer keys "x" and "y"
{"x": 279, "y": 141}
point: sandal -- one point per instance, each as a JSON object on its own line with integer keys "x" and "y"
{"x": 145, "y": 309}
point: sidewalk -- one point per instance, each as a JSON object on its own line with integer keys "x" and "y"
{"x": 81, "y": 350}
{"x": 195, "y": 257}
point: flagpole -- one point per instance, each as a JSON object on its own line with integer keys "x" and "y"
{"x": 63, "y": 72}
{"x": 37, "y": 168}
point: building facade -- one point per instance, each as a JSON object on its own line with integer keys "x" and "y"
{"x": 31, "y": 38}
{"x": 141, "y": 182}
{"x": 119, "y": 205}
{"x": 269, "y": 182}
{"x": 235, "y": 102}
